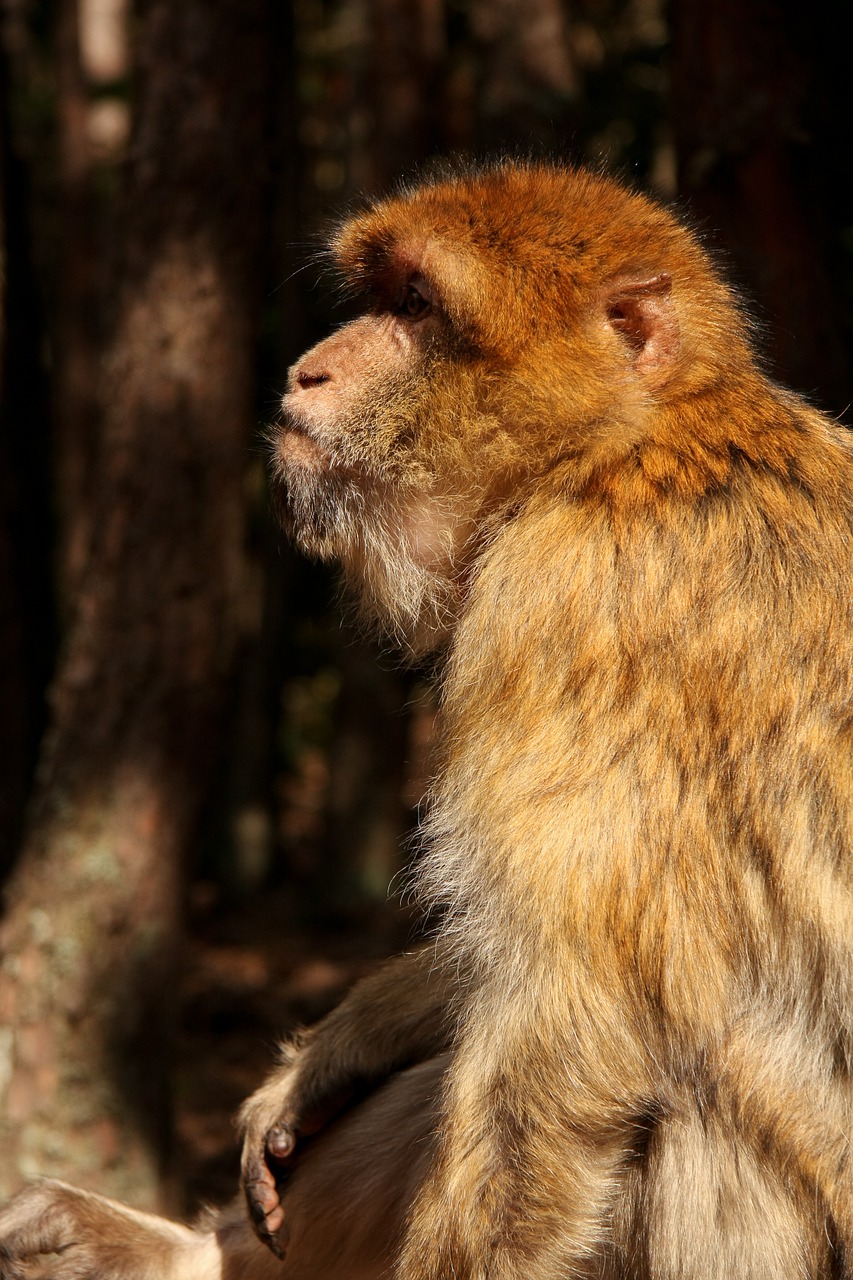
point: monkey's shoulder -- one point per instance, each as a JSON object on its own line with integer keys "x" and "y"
{"x": 781, "y": 471}
{"x": 739, "y": 537}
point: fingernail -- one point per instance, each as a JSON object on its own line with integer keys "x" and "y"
{"x": 280, "y": 1143}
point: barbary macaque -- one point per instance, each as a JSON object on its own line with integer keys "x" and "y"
{"x": 546, "y": 452}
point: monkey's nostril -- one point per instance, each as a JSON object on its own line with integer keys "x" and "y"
{"x": 307, "y": 380}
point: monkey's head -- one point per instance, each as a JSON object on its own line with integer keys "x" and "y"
{"x": 514, "y": 318}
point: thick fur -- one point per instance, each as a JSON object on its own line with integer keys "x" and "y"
{"x": 548, "y": 453}
{"x": 640, "y": 834}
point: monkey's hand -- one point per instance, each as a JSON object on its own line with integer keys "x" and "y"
{"x": 277, "y": 1119}
{"x": 398, "y": 1016}
{"x": 50, "y": 1231}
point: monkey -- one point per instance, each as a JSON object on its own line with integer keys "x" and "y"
{"x": 546, "y": 453}
{"x": 340, "y": 1226}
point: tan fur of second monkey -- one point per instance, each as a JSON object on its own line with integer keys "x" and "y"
{"x": 637, "y": 552}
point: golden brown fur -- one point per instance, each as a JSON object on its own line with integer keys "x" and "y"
{"x": 548, "y": 451}
{"x": 641, "y": 828}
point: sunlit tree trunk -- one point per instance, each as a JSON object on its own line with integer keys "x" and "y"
{"x": 91, "y": 936}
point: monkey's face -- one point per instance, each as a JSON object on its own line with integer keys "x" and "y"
{"x": 361, "y": 483}
{"x": 512, "y": 318}
{"x": 353, "y": 408}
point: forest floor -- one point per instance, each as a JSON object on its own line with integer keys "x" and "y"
{"x": 249, "y": 979}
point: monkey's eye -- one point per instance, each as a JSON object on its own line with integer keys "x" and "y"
{"x": 413, "y": 304}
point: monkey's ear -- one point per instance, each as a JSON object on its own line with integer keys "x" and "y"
{"x": 643, "y": 314}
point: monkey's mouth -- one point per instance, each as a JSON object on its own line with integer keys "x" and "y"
{"x": 296, "y": 447}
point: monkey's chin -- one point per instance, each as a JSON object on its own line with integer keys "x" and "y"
{"x": 309, "y": 494}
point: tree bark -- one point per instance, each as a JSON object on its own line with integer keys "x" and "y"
{"x": 92, "y": 929}
{"x": 78, "y": 339}
{"x": 755, "y": 117}
{"x": 26, "y": 614}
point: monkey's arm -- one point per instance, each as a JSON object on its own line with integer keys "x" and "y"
{"x": 347, "y": 1205}
{"x": 400, "y": 1015}
{"x": 56, "y": 1232}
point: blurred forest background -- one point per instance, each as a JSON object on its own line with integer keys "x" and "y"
{"x": 206, "y": 781}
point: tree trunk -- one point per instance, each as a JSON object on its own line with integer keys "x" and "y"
{"x": 26, "y": 615}
{"x": 92, "y": 930}
{"x": 755, "y": 127}
{"x": 78, "y": 310}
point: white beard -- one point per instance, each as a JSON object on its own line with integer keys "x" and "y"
{"x": 398, "y": 548}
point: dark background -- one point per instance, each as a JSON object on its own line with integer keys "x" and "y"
{"x": 205, "y": 781}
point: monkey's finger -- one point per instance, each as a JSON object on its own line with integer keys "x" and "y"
{"x": 265, "y": 1211}
{"x": 280, "y": 1142}
{"x": 273, "y": 1224}
{"x": 261, "y": 1197}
